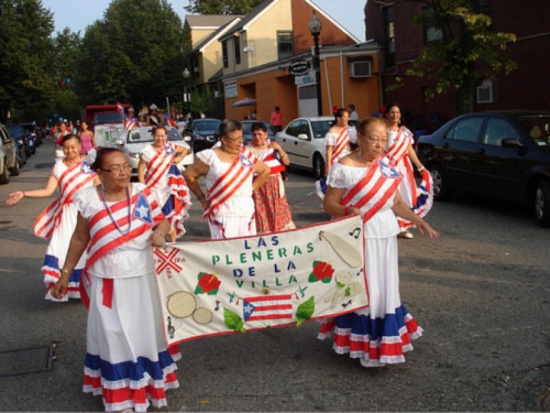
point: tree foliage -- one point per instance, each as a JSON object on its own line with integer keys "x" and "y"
{"x": 26, "y": 53}
{"x": 134, "y": 54}
{"x": 221, "y": 6}
{"x": 469, "y": 49}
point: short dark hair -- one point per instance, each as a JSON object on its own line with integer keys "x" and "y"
{"x": 258, "y": 126}
{"x": 68, "y": 137}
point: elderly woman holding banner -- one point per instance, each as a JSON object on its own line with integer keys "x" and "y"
{"x": 365, "y": 183}
{"x": 231, "y": 174}
{"x": 127, "y": 359}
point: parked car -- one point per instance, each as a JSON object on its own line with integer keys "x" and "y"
{"x": 34, "y": 133}
{"x": 303, "y": 140}
{"x": 19, "y": 133}
{"x": 247, "y": 130}
{"x": 9, "y": 164}
{"x": 138, "y": 138}
{"x": 204, "y": 133}
{"x": 502, "y": 154}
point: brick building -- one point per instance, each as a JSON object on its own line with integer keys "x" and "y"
{"x": 525, "y": 88}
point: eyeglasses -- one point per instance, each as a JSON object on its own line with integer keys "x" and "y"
{"x": 118, "y": 169}
{"x": 239, "y": 139}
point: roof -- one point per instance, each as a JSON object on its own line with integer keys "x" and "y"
{"x": 208, "y": 21}
{"x": 214, "y": 35}
{"x": 262, "y": 7}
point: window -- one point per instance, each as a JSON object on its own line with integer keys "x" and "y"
{"x": 237, "y": 44}
{"x": 484, "y": 92}
{"x": 466, "y": 130}
{"x": 389, "y": 34}
{"x": 431, "y": 33}
{"x": 224, "y": 54}
{"x": 497, "y": 130}
{"x": 285, "y": 44}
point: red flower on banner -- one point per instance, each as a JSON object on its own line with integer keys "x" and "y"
{"x": 208, "y": 284}
{"x": 322, "y": 271}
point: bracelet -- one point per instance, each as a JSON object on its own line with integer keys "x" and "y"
{"x": 421, "y": 168}
{"x": 65, "y": 271}
{"x": 24, "y": 194}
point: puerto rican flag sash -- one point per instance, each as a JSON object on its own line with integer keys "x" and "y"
{"x": 381, "y": 181}
{"x": 400, "y": 146}
{"x": 268, "y": 157}
{"x": 105, "y": 236}
{"x": 227, "y": 184}
{"x": 176, "y": 208}
{"x": 131, "y": 123}
{"x": 159, "y": 164}
{"x": 342, "y": 142}
{"x": 70, "y": 181}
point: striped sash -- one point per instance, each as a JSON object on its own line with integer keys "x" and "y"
{"x": 342, "y": 142}
{"x": 268, "y": 157}
{"x": 72, "y": 180}
{"x": 374, "y": 190}
{"x": 400, "y": 146}
{"x": 104, "y": 235}
{"x": 159, "y": 164}
{"x": 227, "y": 184}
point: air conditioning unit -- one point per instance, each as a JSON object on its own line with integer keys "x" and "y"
{"x": 484, "y": 94}
{"x": 360, "y": 69}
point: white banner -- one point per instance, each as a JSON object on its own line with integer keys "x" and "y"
{"x": 242, "y": 284}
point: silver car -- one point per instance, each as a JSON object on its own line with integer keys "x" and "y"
{"x": 303, "y": 140}
{"x": 138, "y": 138}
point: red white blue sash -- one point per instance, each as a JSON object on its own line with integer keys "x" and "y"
{"x": 268, "y": 157}
{"x": 70, "y": 181}
{"x": 342, "y": 142}
{"x": 105, "y": 236}
{"x": 159, "y": 164}
{"x": 238, "y": 173}
{"x": 381, "y": 181}
{"x": 400, "y": 146}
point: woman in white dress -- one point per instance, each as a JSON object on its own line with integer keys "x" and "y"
{"x": 365, "y": 183}
{"x": 401, "y": 153}
{"x": 127, "y": 360}
{"x": 231, "y": 174}
{"x": 57, "y": 222}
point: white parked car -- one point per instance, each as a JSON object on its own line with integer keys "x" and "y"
{"x": 138, "y": 138}
{"x": 304, "y": 141}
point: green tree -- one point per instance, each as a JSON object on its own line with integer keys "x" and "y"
{"x": 134, "y": 54}
{"x": 469, "y": 49}
{"x": 221, "y": 6}
{"x": 26, "y": 53}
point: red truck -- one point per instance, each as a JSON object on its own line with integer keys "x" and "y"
{"x": 98, "y": 114}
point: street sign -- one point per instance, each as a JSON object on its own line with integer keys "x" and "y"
{"x": 299, "y": 67}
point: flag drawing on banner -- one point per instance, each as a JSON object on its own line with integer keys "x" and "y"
{"x": 243, "y": 284}
{"x": 267, "y": 307}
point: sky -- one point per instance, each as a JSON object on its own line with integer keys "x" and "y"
{"x": 78, "y": 14}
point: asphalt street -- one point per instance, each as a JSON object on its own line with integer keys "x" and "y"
{"x": 481, "y": 293}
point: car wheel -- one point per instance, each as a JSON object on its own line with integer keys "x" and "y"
{"x": 318, "y": 166}
{"x": 16, "y": 169}
{"x": 542, "y": 203}
{"x": 440, "y": 184}
{"x": 5, "y": 175}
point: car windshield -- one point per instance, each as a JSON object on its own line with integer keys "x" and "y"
{"x": 200, "y": 125}
{"x": 107, "y": 118}
{"x": 320, "y": 128}
{"x": 142, "y": 135}
{"x": 538, "y": 128}
{"x": 16, "y": 131}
